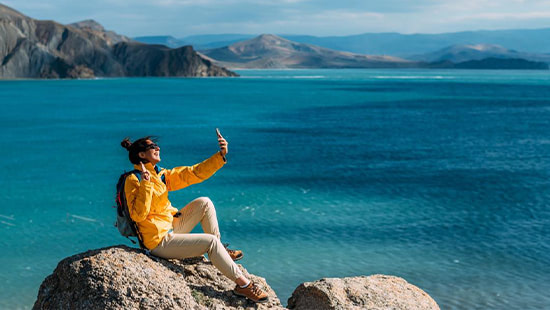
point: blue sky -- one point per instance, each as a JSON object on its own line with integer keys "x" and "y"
{"x": 180, "y": 18}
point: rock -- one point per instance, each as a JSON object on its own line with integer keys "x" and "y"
{"x": 372, "y": 292}
{"x": 120, "y": 277}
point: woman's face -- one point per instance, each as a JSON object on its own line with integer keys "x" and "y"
{"x": 151, "y": 153}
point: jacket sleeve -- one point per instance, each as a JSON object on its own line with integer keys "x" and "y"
{"x": 138, "y": 196}
{"x": 180, "y": 177}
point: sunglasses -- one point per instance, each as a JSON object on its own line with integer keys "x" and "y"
{"x": 152, "y": 146}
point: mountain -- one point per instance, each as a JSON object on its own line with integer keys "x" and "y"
{"x": 168, "y": 41}
{"x": 32, "y": 48}
{"x": 404, "y": 45}
{"x": 461, "y": 53}
{"x": 271, "y": 51}
{"x": 400, "y": 45}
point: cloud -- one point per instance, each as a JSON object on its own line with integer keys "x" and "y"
{"x": 329, "y": 22}
{"x": 315, "y": 17}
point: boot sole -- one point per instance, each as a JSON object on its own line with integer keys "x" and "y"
{"x": 238, "y": 258}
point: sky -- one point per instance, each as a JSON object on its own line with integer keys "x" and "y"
{"x": 181, "y": 18}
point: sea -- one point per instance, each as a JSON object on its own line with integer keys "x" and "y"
{"x": 441, "y": 177}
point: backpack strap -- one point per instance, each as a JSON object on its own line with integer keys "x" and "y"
{"x": 137, "y": 173}
{"x": 158, "y": 169}
{"x": 162, "y": 177}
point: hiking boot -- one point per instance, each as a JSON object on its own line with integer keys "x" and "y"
{"x": 252, "y": 292}
{"x": 234, "y": 254}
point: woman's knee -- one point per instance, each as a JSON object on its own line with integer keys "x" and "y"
{"x": 213, "y": 242}
{"x": 206, "y": 204}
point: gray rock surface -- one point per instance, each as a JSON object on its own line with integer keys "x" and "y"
{"x": 372, "y": 292}
{"x": 32, "y": 48}
{"x": 120, "y": 277}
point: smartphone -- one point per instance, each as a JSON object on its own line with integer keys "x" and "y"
{"x": 218, "y": 132}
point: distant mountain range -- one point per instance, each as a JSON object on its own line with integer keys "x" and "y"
{"x": 394, "y": 44}
{"x": 32, "y": 48}
{"x": 394, "y": 50}
{"x": 460, "y": 53}
{"x": 271, "y": 51}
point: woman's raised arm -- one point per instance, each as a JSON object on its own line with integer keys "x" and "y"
{"x": 180, "y": 177}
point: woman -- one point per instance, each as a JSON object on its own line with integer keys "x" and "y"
{"x": 164, "y": 229}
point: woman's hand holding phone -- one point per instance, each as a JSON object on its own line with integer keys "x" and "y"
{"x": 223, "y": 143}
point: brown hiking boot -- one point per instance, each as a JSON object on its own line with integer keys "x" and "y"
{"x": 234, "y": 254}
{"x": 252, "y": 292}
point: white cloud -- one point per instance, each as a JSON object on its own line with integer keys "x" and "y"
{"x": 316, "y": 17}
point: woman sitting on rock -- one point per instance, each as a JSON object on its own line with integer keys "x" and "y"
{"x": 165, "y": 231}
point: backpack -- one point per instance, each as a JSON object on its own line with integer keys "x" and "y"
{"x": 126, "y": 226}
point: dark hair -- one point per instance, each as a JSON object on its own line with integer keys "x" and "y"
{"x": 137, "y": 146}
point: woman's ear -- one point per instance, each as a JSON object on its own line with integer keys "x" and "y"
{"x": 141, "y": 155}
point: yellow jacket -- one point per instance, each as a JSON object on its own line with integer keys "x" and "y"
{"x": 148, "y": 200}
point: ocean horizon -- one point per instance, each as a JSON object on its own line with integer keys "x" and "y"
{"x": 441, "y": 177}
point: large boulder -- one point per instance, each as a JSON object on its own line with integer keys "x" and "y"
{"x": 373, "y": 292}
{"x": 120, "y": 277}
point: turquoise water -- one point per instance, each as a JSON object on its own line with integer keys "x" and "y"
{"x": 440, "y": 177}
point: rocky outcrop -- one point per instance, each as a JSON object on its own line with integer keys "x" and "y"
{"x": 45, "y": 49}
{"x": 120, "y": 277}
{"x": 373, "y": 292}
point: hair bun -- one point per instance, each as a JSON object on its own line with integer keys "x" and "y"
{"x": 126, "y": 143}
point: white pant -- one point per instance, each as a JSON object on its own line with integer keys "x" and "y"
{"x": 181, "y": 244}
